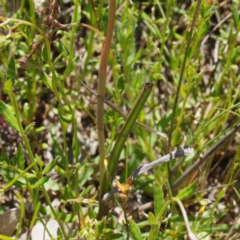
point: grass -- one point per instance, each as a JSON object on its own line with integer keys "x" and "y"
{"x": 50, "y": 125}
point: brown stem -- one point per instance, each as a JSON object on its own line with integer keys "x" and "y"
{"x": 106, "y": 45}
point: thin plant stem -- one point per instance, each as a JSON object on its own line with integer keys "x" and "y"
{"x": 54, "y": 212}
{"x": 74, "y": 28}
{"x": 21, "y": 174}
{"x": 191, "y": 235}
{"x": 22, "y": 133}
{"x": 106, "y": 45}
{"x": 181, "y": 78}
{"x": 66, "y": 156}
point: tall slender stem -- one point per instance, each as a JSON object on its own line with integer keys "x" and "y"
{"x": 181, "y": 77}
{"x": 106, "y": 45}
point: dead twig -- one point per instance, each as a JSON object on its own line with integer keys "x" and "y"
{"x": 202, "y": 159}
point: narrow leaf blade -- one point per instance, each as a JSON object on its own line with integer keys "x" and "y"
{"x": 235, "y": 15}
{"x": 8, "y": 116}
{"x": 134, "y": 230}
{"x": 11, "y": 69}
{"x": 50, "y": 166}
{"x": 187, "y": 192}
{"x": 40, "y": 182}
{"x": 158, "y": 198}
{"x": 152, "y": 219}
{"x": 18, "y": 159}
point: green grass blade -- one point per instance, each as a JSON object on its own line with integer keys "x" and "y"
{"x": 187, "y": 192}
{"x": 134, "y": 230}
{"x": 158, "y": 198}
{"x": 50, "y": 166}
{"x": 122, "y": 137}
{"x": 116, "y": 151}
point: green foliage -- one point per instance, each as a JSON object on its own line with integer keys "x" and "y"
{"x": 18, "y": 159}
{"x": 158, "y": 198}
{"x": 8, "y": 115}
{"x": 50, "y": 166}
{"x": 40, "y": 182}
{"x": 134, "y": 230}
{"x": 11, "y": 70}
{"x": 48, "y": 123}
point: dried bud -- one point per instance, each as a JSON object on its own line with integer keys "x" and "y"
{"x": 58, "y": 24}
{"x": 23, "y": 63}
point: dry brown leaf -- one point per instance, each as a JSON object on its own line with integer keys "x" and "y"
{"x": 9, "y": 221}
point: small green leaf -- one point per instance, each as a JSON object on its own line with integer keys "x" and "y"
{"x": 50, "y": 166}
{"x": 27, "y": 111}
{"x": 75, "y": 146}
{"x": 235, "y": 15}
{"x": 4, "y": 158}
{"x": 18, "y": 159}
{"x": 114, "y": 236}
{"x": 86, "y": 191}
{"x": 8, "y": 115}
{"x": 10, "y": 175}
{"x": 3, "y": 40}
{"x": 92, "y": 214}
{"x": 48, "y": 81}
{"x": 29, "y": 127}
{"x": 134, "y": 230}
{"x": 65, "y": 113}
{"x": 120, "y": 83}
{"x": 40, "y": 129}
{"x": 68, "y": 193}
{"x": 86, "y": 174}
{"x": 104, "y": 19}
{"x": 60, "y": 171}
{"x": 174, "y": 62}
{"x": 11, "y": 69}
{"x": 64, "y": 125}
{"x": 68, "y": 218}
{"x": 176, "y": 137}
{"x": 153, "y": 232}
{"x": 204, "y": 28}
{"x": 158, "y": 198}
{"x": 187, "y": 192}
{"x": 69, "y": 68}
{"x": 39, "y": 160}
{"x": 99, "y": 226}
{"x": 151, "y": 219}
{"x": 45, "y": 54}
{"x": 183, "y": 91}
{"x": 231, "y": 36}
{"x": 221, "y": 194}
{"x": 40, "y": 182}
{"x": 7, "y": 88}
{"x": 237, "y": 192}
{"x": 107, "y": 230}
